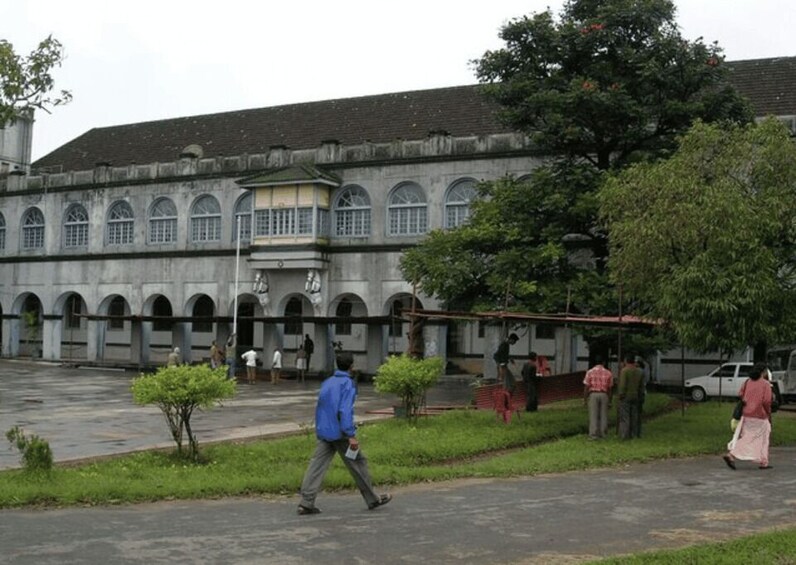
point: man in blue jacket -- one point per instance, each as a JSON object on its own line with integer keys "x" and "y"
{"x": 336, "y": 432}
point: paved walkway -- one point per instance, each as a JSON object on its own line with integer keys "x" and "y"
{"x": 562, "y": 518}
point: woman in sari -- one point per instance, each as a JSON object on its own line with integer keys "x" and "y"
{"x": 750, "y": 441}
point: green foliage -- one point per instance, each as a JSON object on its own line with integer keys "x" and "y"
{"x": 409, "y": 378}
{"x": 457, "y": 444}
{"x": 178, "y": 391}
{"x": 26, "y": 82}
{"x": 517, "y": 240}
{"x": 776, "y": 547}
{"x": 607, "y": 80}
{"x": 36, "y": 453}
{"x": 606, "y": 84}
{"x": 706, "y": 240}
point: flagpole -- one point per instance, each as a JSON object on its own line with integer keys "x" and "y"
{"x": 237, "y": 268}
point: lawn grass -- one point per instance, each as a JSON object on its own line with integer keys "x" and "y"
{"x": 457, "y": 444}
{"x": 778, "y": 547}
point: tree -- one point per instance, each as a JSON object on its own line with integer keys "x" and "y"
{"x": 608, "y": 83}
{"x": 409, "y": 378}
{"x": 609, "y": 80}
{"x": 26, "y": 82}
{"x": 706, "y": 240}
{"x": 178, "y": 391}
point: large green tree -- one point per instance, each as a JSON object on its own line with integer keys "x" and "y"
{"x": 706, "y": 240}
{"x": 606, "y": 83}
{"x": 26, "y": 83}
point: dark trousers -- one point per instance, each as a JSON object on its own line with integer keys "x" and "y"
{"x": 629, "y": 419}
{"x": 531, "y": 396}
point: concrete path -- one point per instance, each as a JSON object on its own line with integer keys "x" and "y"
{"x": 562, "y": 518}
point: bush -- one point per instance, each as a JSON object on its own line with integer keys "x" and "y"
{"x": 409, "y": 378}
{"x": 177, "y": 391}
{"x": 36, "y": 453}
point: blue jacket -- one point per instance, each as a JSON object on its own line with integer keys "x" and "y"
{"x": 334, "y": 414}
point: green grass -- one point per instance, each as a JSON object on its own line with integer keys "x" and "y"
{"x": 777, "y": 547}
{"x": 456, "y": 444}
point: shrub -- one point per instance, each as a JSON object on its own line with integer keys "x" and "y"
{"x": 36, "y": 453}
{"x": 409, "y": 378}
{"x": 177, "y": 391}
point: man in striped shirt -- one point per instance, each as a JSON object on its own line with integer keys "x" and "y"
{"x": 597, "y": 388}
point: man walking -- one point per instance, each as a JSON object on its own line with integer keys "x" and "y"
{"x": 335, "y": 430}
{"x": 597, "y": 394}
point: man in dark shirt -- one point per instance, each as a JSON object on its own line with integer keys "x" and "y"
{"x": 502, "y": 359}
{"x": 530, "y": 379}
{"x": 631, "y": 388}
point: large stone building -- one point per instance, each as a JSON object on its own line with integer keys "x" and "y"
{"x": 281, "y": 222}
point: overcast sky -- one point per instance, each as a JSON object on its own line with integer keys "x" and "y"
{"x": 129, "y": 62}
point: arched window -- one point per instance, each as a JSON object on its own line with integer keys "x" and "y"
{"x": 203, "y": 308}
{"x": 205, "y": 220}
{"x": 161, "y": 308}
{"x": 163, "y": 222}
{"x": 120, "y": 224}
{"x": 76, "y": 227}
{"x": 352, "y": 213}
{"x": 457, "y": 202}
{"x": 33, "y": 229}
{"x": 293, "y": 308}
{"x": 344, "y": 309}
{"x": 2, "y": 232}
{"x": 407, "y": 212}
{"x": 243, "y": 210}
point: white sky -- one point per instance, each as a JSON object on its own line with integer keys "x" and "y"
{"x": 137, "y": 61}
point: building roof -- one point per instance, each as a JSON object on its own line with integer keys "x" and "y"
{"x": 460, "y": 111}
{"x": 769, "y": 84}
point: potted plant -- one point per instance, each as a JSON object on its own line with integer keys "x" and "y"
{"x": 409, "y": 379}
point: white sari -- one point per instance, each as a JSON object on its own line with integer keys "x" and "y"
{"x": 750, "y": 441}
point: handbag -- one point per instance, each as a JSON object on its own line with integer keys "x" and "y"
{"x": 737, "y": 412}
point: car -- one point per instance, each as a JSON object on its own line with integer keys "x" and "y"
{"x": 725, "y": 380}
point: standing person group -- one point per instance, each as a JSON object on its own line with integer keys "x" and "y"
{"x": 631, "y": 397}
{"x": 530, "y": 380}
{"x": 251, "y": 365}
{"x": 276, "y": 365}
{"x": 309, "y": 349}
{"x": 597, "y": 389}
{"x": 502, "y": 357}
{"x": 174, "y": 358}
{"x": 301, "y": 363}
{"x": 231, "y": 355}
{"x": 336, "y": 433}
{"x": 216, "y": 355}
{"x": 751, "y": 439}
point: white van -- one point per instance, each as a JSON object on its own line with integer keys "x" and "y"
{"x": 725, "y": 381}
{"x": 782, "y": 362}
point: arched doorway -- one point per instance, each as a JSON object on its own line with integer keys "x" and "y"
{"x": 31, "y": 317}
{"x": 72, "y": 327}
{"x": 398, "y": 308}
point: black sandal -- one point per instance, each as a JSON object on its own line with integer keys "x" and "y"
{"x": 729, "y": 461}
{"x": 383, "y": 499}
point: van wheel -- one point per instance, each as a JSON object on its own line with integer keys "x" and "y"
{"x": 698, "y": 394}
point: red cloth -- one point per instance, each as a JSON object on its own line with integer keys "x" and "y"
{"x": 599, "y": 379}
{"x": 757, "y": 396}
